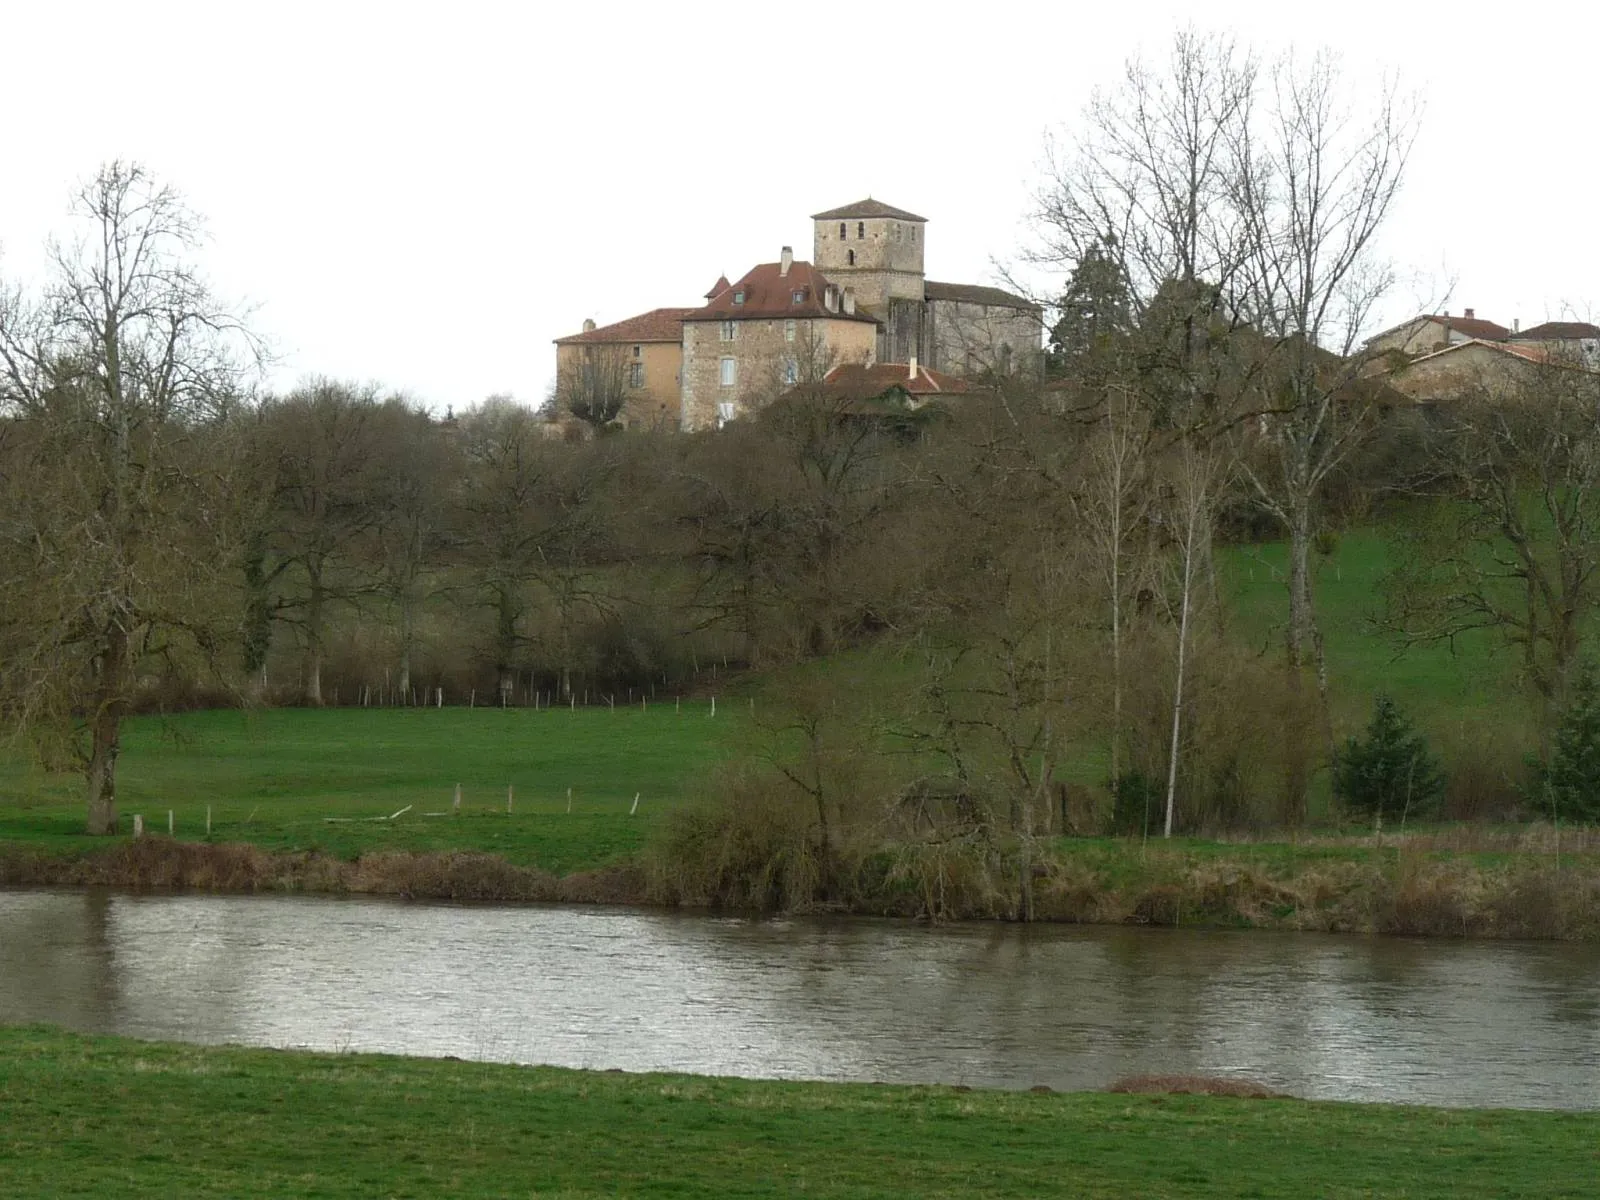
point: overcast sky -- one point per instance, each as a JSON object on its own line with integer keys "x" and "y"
{"x": 425, "y": 195}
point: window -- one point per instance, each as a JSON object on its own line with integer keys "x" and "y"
{"x": 729, "y": 373}
{"x": 788, "y": 331}
{"x": 636, "y": 352}
{"x": 913, "y": 233}
{"x": 799, "y": 296}
{"x": 861, "y": 230}
{"x": 738, "y": 297}
{"x": 897, "y": 231}
{"x": 850, "y": 258}
{"x": 724, "y": 413}
{"x": 730, "y": 330}
{"x": 844, "y": 232}
{"x": 636, "y": 374}
{"x": 791, "y": 372}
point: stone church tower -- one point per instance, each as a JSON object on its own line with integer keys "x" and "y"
{"x": 875, "y": 251}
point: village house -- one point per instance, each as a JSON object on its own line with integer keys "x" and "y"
{"x": 1575, "y": 342}
{"x": 644, "y": 354}
{"x": 1468, "y": 367}
{"x": 1429, "y": 332}
{"x": 863, "y": 299}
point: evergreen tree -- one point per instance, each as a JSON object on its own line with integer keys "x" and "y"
{"x": 1572, "y": 778}
{"x": 1095, "y": 308}
{"x": 1389, "y": 771}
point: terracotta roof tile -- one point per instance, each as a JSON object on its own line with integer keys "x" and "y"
{"x": 1558, "y": 331}
{"x": 768, "y": 293}
{"x": 866, "y": 208}
{"x": 657, "y": 325}
{"x": 861, "y": 382}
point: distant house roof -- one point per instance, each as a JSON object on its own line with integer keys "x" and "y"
{"x": 768, "y": 293}
{"x": 657, "y": 325}
{"x": 1558, "y": 331}
{"x": 866, "y": 208}
{"x": 858, "y": 381}
{"x": 1472, "y": 327}
{"x": 717, "y": 288}
{"x": 972, "y": 293}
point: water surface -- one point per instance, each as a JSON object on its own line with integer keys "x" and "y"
{"x": 1408, "y": 1020}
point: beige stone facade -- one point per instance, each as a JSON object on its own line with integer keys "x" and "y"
{"x": 1469, "y": 368}
{"x": 644, "y": 352}
{"x": 733, "y": 367}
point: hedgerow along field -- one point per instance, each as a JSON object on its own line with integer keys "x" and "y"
{"x": 100, "y": 1116}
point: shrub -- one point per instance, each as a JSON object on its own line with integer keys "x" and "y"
{"x": 1389, "y": 771}
{"x": 1141, "y": 804}
{"x": 1570, "y": 783}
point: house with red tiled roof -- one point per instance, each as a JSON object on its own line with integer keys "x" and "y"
{"x": 1576, "y": 342}
{"x": 644, "y": 354}
{"x": 1434, "y": 331}
{"x": 781, "y": 323}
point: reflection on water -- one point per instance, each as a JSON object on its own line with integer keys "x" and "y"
{"x": 1475, "y": 1023}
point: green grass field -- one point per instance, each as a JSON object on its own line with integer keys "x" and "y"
{"x": 273, "y": 777}
{"x": 102, "y": 1116}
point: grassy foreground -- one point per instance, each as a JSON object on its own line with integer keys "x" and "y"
{"x": 105, "y": 1116}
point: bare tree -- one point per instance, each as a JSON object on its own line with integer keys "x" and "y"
{"x": 116, "y": 370}
{"x": 1195, "y": 474}
{"x": 595, "y": 387}
{"x": 1147, "y": 184}
{"x": 1513, "y": 547}
{"x": 1314, "y": 178}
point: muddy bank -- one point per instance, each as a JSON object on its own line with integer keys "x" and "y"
{"x": 1398, "y": 894}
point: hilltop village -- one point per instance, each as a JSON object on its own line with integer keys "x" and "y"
{"x": 859, "y": 315}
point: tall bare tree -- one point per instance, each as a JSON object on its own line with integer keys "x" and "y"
{"x": 1314, "y": 179}
{"x": 115, "y": 370}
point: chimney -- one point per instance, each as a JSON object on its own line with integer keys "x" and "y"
{"x": 785, "y": 261}
{"x": 588, "y": 324}
{"x": 850, "y": 301}
{"x": 911, "y": 369}
{"x": 1467, "y": 313}
{"x": 1516, "y": 324}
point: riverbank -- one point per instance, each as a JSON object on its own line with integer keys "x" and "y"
{"x": 1421, "y": 886}
{"x": 93, "y": 1115}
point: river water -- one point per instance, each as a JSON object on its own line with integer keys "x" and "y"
{"x": 1378, "y": 1019}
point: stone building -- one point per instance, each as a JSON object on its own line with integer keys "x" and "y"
{"x": 781, "y": 323}
{"x": 864, "y": 298}
{"x": 876, "y": 251}
{"x": 645, "y": 353}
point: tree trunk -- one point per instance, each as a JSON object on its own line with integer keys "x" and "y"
{"x": 105, "y": 732}
{"x": 314, "y": 615}
{"x": 1177, "y": 688}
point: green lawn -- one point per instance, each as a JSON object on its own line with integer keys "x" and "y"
{"x": 272, "y": 777}
{"x": 103, "y": 1116}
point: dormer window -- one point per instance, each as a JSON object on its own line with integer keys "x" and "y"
{"x": 738, "y": 297}
{"x": 799, "y": 296}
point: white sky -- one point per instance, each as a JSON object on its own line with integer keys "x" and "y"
{"x": 426, "y": 194}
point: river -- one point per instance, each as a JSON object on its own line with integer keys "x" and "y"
{"x": 1319, "y": 1016}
